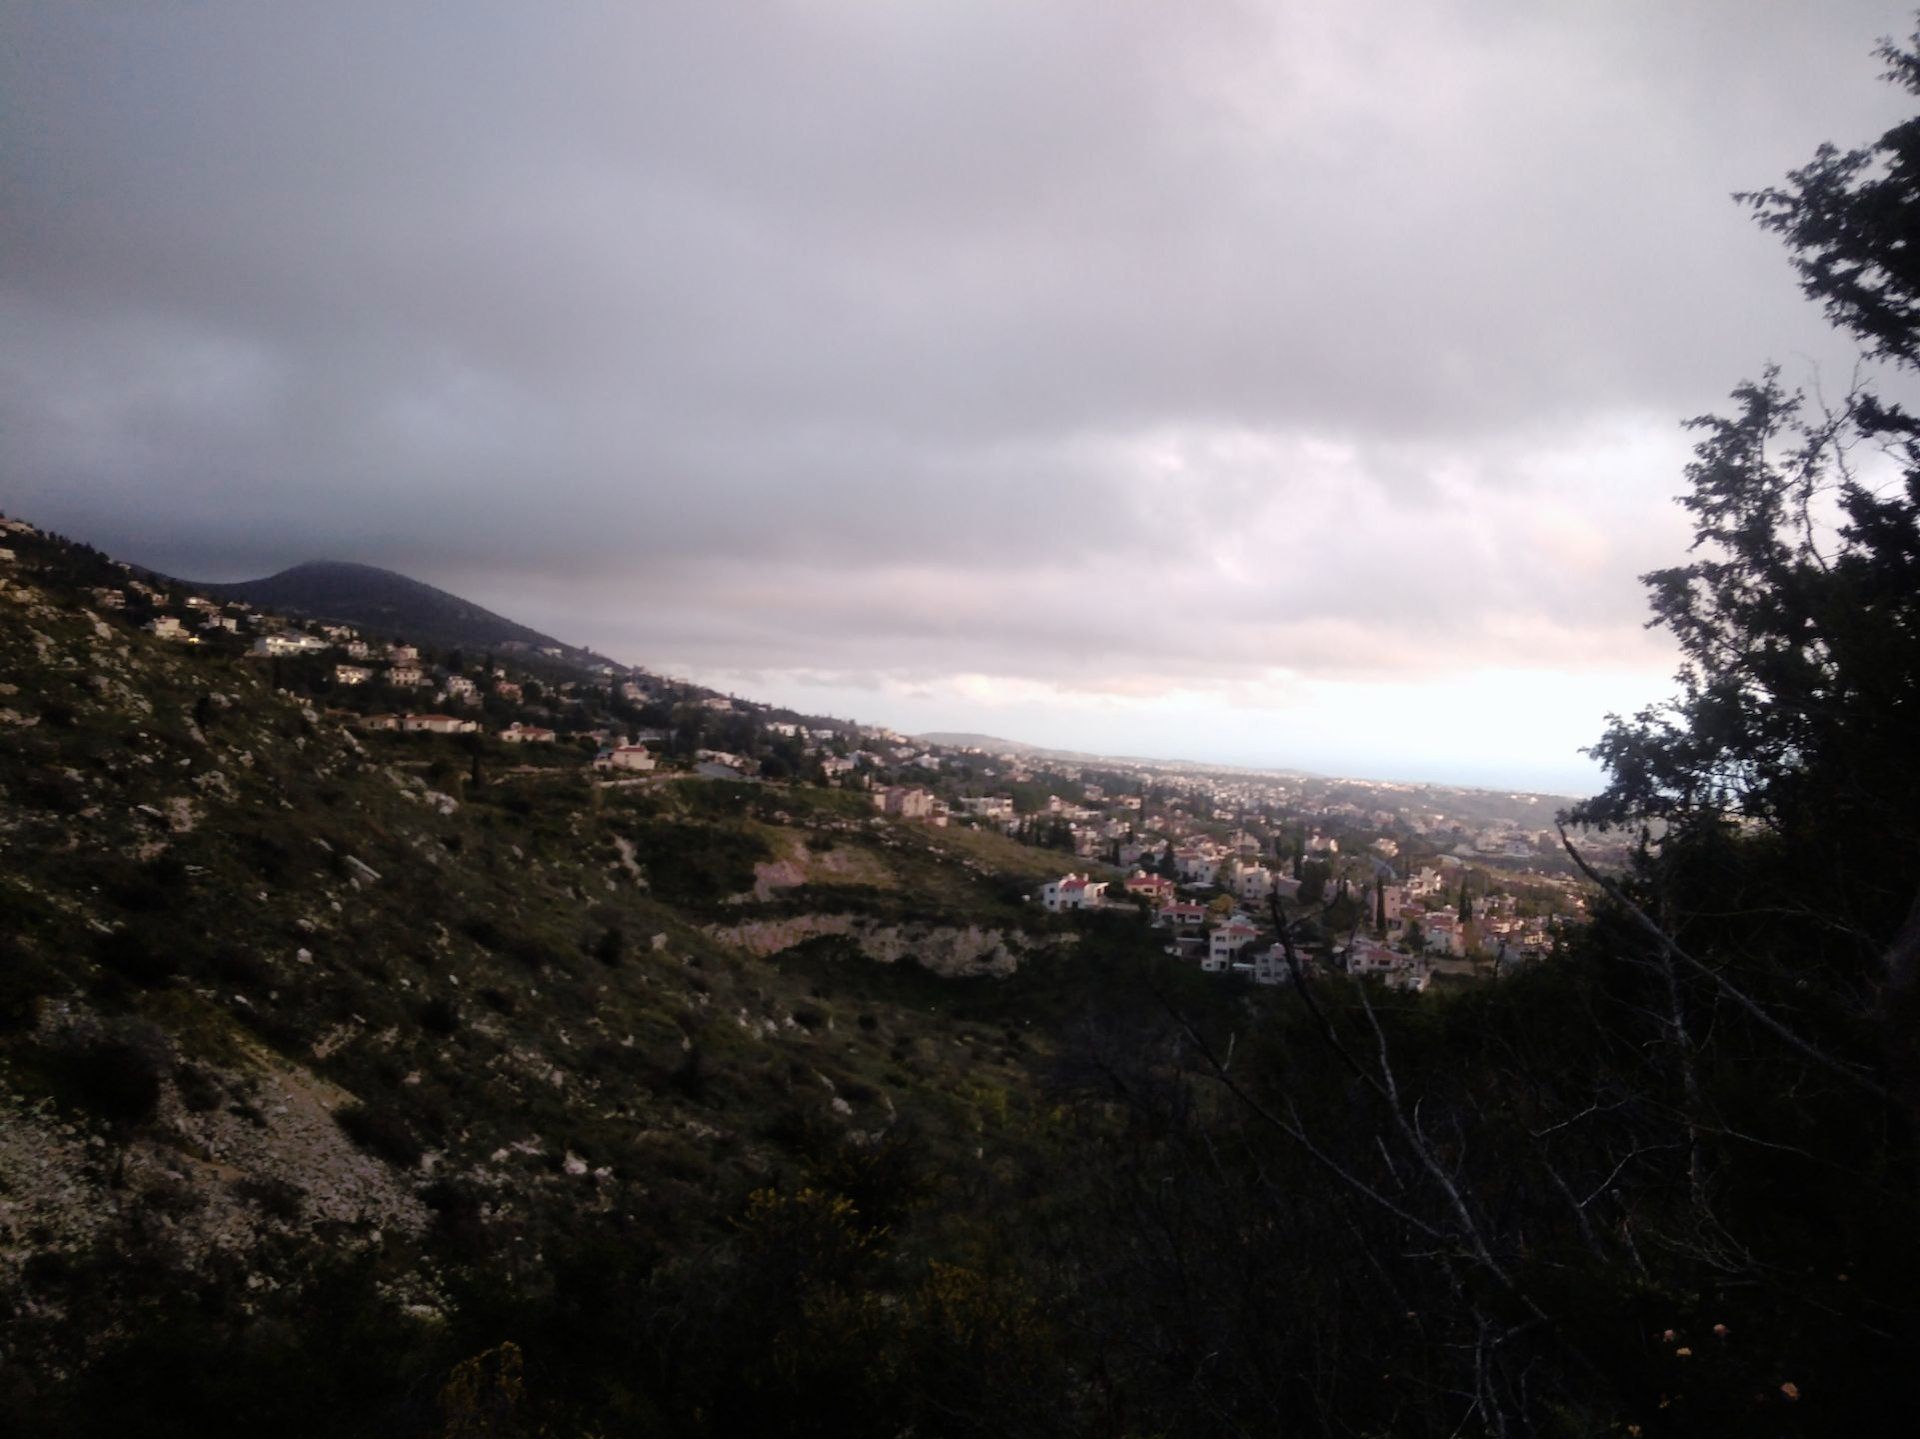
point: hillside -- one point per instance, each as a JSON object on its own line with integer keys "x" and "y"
{"x": 286, "y": 1010}
{"x": 361, "y": 1083}
{"x": 397, "y": 1042}
{"x": 385, "y": 603}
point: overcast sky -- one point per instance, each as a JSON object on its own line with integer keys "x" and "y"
{"x": 1291, "y": 383}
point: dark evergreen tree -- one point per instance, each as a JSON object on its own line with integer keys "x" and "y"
{"x": 1799, "y": 616}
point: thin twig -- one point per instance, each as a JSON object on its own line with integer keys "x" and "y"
{"x": 1720, "y": 981}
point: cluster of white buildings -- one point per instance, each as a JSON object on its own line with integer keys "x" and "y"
{"x": 1231, "y": 943}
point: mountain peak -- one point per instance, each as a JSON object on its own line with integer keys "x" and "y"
{"x": 383, "y": 601}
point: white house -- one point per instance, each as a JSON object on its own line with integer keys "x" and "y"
{"x": 167, "y": 627}
{"x": 351, "y": 674}
{"x": 288, "y": 642}
{"x": 1444, "y": 933}
{"x": 1196, "y": 866}
{"x": 1225, "y": 941}
{"x": 1253, "y": 884}
{"x": 437, "y": 724}
{"x": 1270, "y": 966}
{"x": 625, "y": 756}
{"x": 1426, "y": 882}
{"x": 1366, "y": 957}
{"x": 517, "y": 733}
{"x": 1073, "y": 891}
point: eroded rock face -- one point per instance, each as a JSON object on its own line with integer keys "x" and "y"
{"x": 951, "y": 950}
{"x": 798, "y": 866}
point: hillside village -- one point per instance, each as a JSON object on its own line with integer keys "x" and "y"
{"x": 473, "y": 998}
{"x": 1414, "y": 882}
{"x": 417, "y": 1025}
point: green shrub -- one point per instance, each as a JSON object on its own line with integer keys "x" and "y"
{"x": 115, "y": 1078}
{"x": 483, "y": 931}
{"x": 134, "y": 956}
{"x": 233, "y": 965}
{"x": 380, "y": 1132}
{"x": 696, "y": 863}
{"x": 199, "y": 1091}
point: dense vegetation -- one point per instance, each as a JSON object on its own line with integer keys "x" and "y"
{"x": 1662, "y": 1184}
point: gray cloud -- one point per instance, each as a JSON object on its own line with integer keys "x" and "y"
{"x": 880, "y": 338}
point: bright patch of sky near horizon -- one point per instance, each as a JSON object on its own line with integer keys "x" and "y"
{"x": 1290, "y": 384}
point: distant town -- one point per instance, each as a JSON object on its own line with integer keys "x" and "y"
{"x": 1409, "y": 882}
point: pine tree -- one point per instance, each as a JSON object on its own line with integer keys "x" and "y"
{"x": 1798, "y": 615}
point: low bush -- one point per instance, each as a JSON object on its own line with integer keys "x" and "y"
{"x": 115, "y": 1078}
{"x": 380, "y": 1132}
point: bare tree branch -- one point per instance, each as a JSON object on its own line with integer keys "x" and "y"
{"x": 1672, "y": 947}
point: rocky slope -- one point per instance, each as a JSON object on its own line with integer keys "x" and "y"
{"x": 276, "y": 997}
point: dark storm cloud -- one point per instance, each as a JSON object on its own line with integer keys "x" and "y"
{"x": 893, "y": 337}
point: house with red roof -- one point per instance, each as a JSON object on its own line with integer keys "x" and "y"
{"x": 1179, "y": 914}
{"x": 1156, "y": 887}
